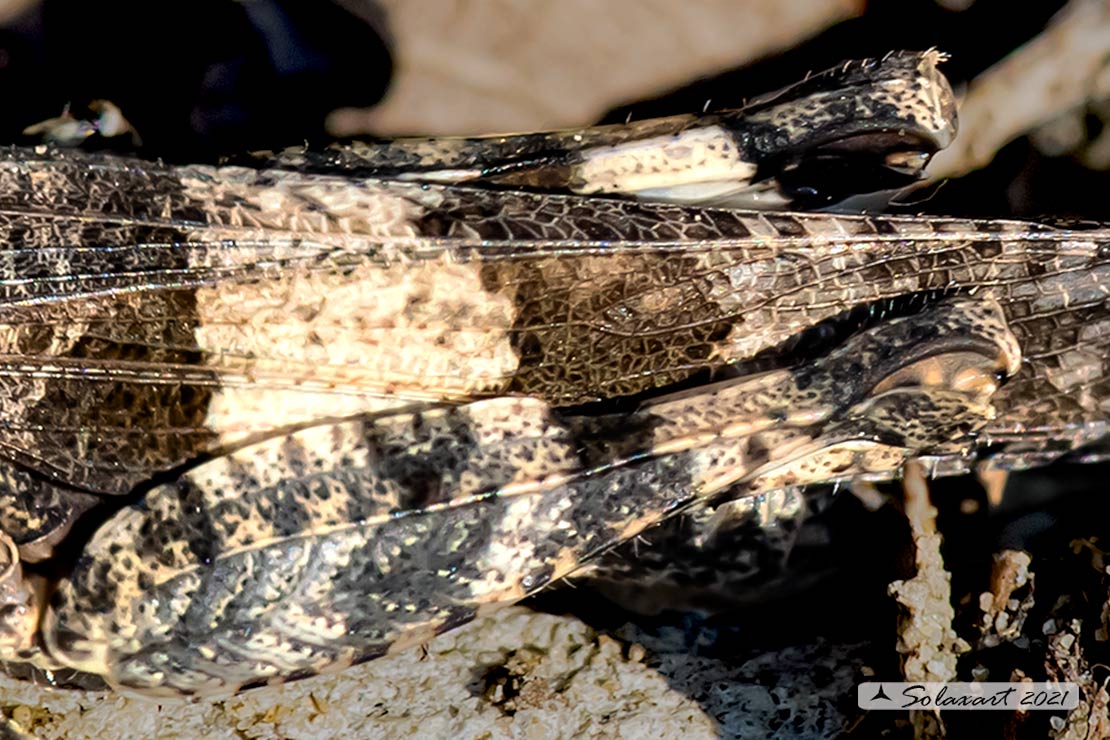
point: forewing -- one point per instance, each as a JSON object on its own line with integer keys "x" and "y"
{"x": 150, "y": 314}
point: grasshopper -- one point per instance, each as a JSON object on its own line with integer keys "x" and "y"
{"x": 280, "y": 417}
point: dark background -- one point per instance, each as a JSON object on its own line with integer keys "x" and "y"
{"x": 205, "y": 78}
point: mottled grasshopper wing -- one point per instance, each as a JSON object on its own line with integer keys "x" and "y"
{"x": 143, "y": 333}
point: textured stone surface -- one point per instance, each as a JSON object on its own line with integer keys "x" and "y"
{"x": 516, "y": 674}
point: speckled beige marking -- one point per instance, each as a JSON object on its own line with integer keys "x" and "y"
{"x": 682, "y": 167}
{"x": 338, "y": 331}
{"x": 922, "y": 97}
{"x": 313, "y": 332}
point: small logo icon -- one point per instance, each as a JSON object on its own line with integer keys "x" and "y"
{"x": 880, "y": 695}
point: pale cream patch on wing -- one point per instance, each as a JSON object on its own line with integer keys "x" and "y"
{"x": 324, "y": 343}
{"x": 351, "y": 324}
{"x": 688, "y": 163}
